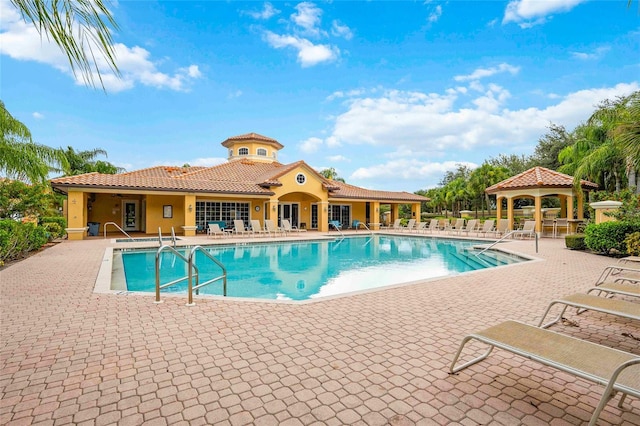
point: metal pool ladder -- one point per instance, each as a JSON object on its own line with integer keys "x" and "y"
{"x": 194, "y": 273}
{"x": 116, "y": 225}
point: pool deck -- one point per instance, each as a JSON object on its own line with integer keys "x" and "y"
{"x": 69, "y": 355}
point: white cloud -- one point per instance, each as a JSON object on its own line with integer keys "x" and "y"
{"x": 267, "y": 12}
{"x": 435, "y": 15}
{"x": 339, "y": 30}
{"x": 21, "y": 41}
{"x": 527, "y": 13}
{"x": 309, "y": 54}
{"x": 234, "y": 95}
{"x": 407, "y": 169}
{"x": 488, "y": 72}
{"x": 338, "y": 158}
{"x": 310, "y": 145}
{"x": 415, "y": 124}
{"x": 594, "y": 55}
{"x": 37, "y": 115}
{"x": 308, "y": 18}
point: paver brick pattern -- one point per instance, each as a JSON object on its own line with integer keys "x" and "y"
{"x": 72, "y": 356}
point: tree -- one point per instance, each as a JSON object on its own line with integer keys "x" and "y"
{"x": 81, "y": 28}
{"x": 22, "y": 158}
{"x": 80, "y": 162}
{"x": 597, "y": 154}
{"x": 482, "y": 178}
{"x": 550, "y": 145}
{"x": 627, "y": 132}
{"x": 515, "y": 164}
{"x": 331, "y": 173}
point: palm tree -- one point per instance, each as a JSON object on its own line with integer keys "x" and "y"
{"x": 482, "y": 178}
{"x": 331, "y": 173}
{"x": 78, "y": 27}
{"x": 628, "y": 135}
{"x": 22, "y": 158}
{"x": 80, "y": 162}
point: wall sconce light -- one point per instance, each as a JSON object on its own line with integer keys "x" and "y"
{"x": 377, "y": 210}
{"x": 190, "y": 208}
{"x": 274, "y": 208}
{"x": 73, "y": 201}
{"x": 325, "y": 210}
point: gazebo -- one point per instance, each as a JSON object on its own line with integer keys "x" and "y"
{"x": 536, "y": 183}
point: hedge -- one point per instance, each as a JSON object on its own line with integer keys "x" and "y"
{"x": 609, "y": 237}
{"x": 17, "y": 239}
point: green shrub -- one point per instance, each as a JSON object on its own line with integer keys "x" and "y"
{"x": 17, "y": 239}
{"x": 575, "y": 242}
{"x": 633, "y": 244}
{"x": 609, "y": 237}
{"x": 54, "y": 225}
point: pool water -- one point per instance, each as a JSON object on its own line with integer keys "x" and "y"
{"x": 305, "y": 270}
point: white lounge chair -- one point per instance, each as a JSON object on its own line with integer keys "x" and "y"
{"x": 410, "y": 225}
{"x": 287, "y": 227}
{"x": 215, "y": 231}
{"x": 256, "y": 229}
{"x": 471, "y": 226}
{"x": 457, "y": 226}
{"x": 528, "y": 230}
{"x": 487, "y": 227}
{"x": 271, "y": 228}
{"x": 502, "y": 227}
{"x": 617, "y": 370}
{"x": 433, "y": 226}
{"x": 238, "y": 227}
{"x": 589, "y": 302}
{"x": 421, "y": 227}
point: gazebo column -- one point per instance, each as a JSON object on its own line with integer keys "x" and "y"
{"x": 580, "y": 204}
{"x": 395, "y": 212}
{"x": 499, "y": 207}
{"x": 510, "y": 212}
{"x": 563, "y": 206}
{"x": 415, "y": 211}
{"x": 569, "y": 207}
{"x": 538, "y": 213}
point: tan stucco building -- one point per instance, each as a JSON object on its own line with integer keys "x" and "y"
{"x": 252, "y": 184}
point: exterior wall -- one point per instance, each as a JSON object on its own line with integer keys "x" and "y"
{"x": 154, "y": 219}
{"x": 77, "y": 215}
{"x": 253, "y": 151}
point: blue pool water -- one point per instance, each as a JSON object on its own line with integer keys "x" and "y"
{"x": 304, "y": 270}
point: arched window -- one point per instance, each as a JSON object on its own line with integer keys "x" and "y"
{"x": 262, "y": 152}
{"x": 243, "y": 151}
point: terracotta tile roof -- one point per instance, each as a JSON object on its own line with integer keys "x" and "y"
{"x": 234, "y": 177}
{"x": 252, "y": 137}
{"x": 355, "y": 192}
{"x": 538, "y": 177}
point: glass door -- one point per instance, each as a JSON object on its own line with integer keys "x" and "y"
{"x": 130, "y": 215}
{"x": 291, "y": 212}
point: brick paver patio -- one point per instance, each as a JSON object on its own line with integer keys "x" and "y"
{"x": 72, "y": 356}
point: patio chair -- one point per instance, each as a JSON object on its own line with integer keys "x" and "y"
{"x": 444, "y": 225}
{"x": 355, "y": 224}
{"x": 255, "y": 227}
{"x": 528, "y": 230}
{"x": 487, "y": 227}
{"x": 270, "y": 227}
{"x": 214, "y": 231}
{"x": 617, "y": 370}
{"x": 457, "y": 226}
{"x": 589, "y": 302}
{"x": 501, "y": 228}
{"x": 549, "y": 227}
{"x": 421, "y": 227}
{"x": 410, "y": 225}
{"x": 238, "y": 227}
{"x": 433, "y": 226}
{"x": 470, "y": 226}
{"x": 617, "y": 280}
{"x": 287, "y": 227}
{"x": 562, "y": 223}
{"x": 335, "y": 224}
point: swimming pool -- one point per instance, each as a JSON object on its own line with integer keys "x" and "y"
{"x": 304, "y": 270}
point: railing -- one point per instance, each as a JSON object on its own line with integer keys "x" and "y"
{"x": 179, "y": 256}
{"x": 173, "y": 236}
{"x": 194, "y": 272}
{"x": 192, "y": 266}
{"x": 508, "y": 234}
{"x": 365, "y": 227}
{"x": 116, "y": 225}
{"x": 336, "y": 228}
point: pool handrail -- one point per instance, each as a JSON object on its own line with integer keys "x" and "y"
{"x": 176, "y": 281}
{"x": 104, "y": 228}
{"x": 508, "y": 234}
{"x": 198, "y": 286}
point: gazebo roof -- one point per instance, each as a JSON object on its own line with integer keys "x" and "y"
{"x": 538, "y": 177}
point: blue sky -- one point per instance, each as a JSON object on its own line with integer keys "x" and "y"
{"x": 391, "y": 94}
